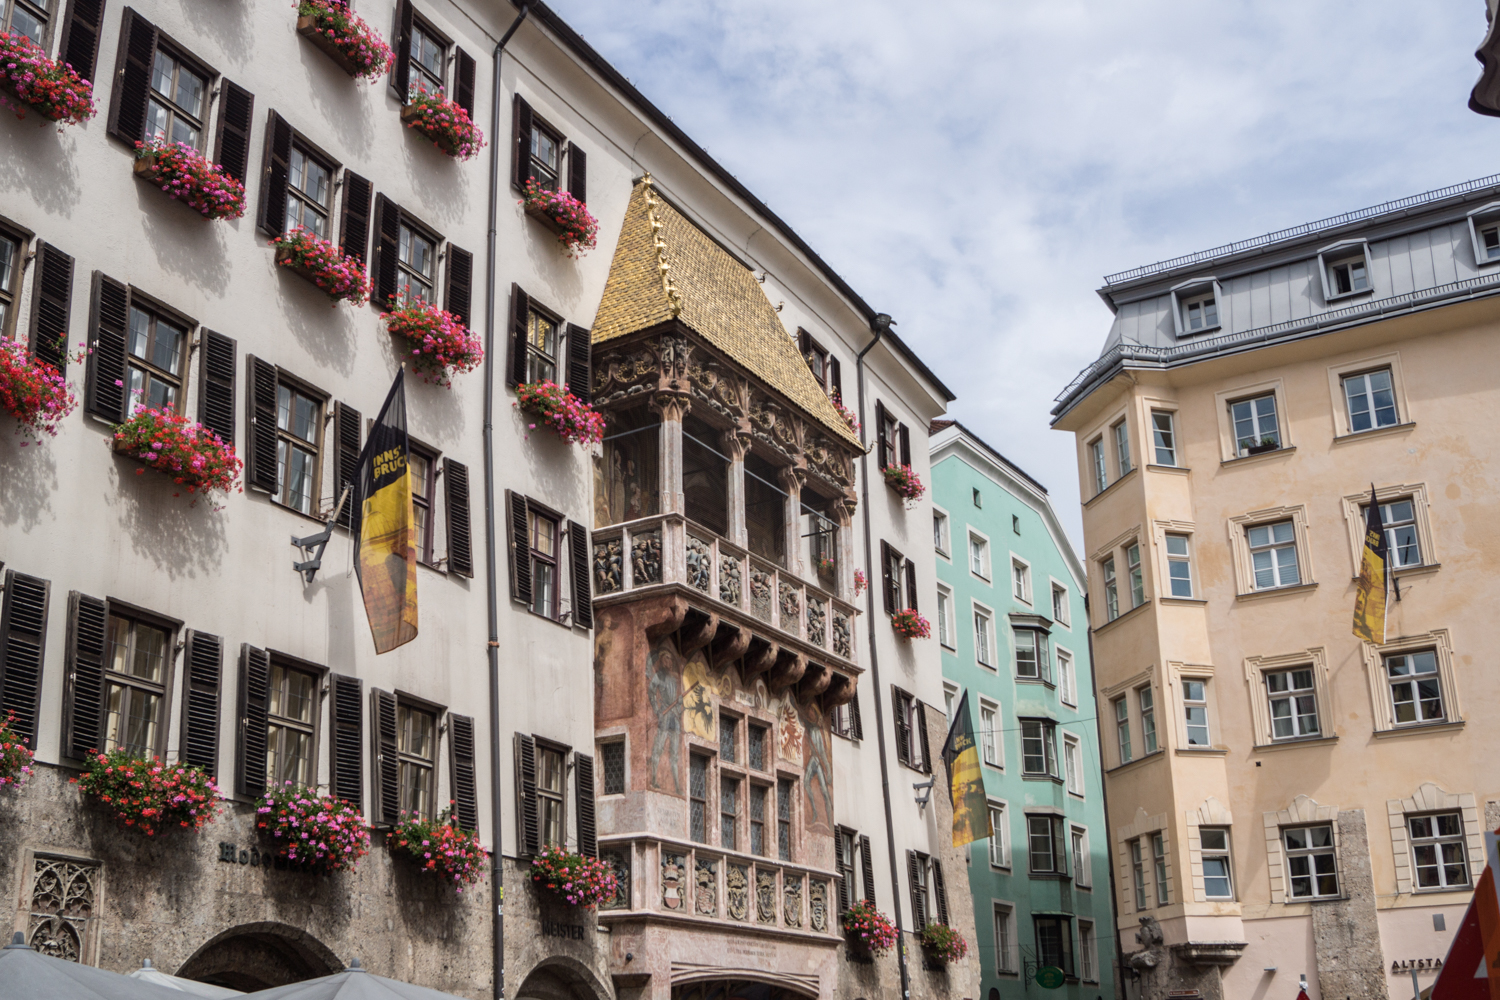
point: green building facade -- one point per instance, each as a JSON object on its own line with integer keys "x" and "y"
{"x": 1011, "y": 620}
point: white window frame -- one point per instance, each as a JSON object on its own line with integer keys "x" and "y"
{"x": 1020, "y": 579}
{"x": 1098, "y": 465}
{"x": 1160, "y": 871}
{"x": 1110, "y": 581}
{"x": 1311, "y": 853}
{"x": 1145, "y": 699}
{"x": 1124, "y": 748}
{"x": 1262, "y": 425}
{"x": 1226, "y": 852}
{"x": 991, "y": 745}
{"x": 1414, "y": 662}
{"x": 983, "y": 553}
{"x": 942, "y": 538}
{"x": 1345, "y": 254}
{"x": 1064, "y": 605}
{"x": 1073, "y": 764}
{"x": 1294, "y": 697}
{"x": 945, "y": 608}
{"x": 1049, "y": 747}
{"x": 1368, "y": 390}
{"x": 1088, "y": 943}
{"x": 1082, "y": 860}
{"x": 1169, "y": 435}
{"x": 1004, "y": 915}
{"x": 950, "y": 695}
{"x": 1189, "y": 704}
{"x": 1041, "y": 649}
{"x": 1256, "y": 669}
{"x": 1139, "y": 850}
{"x": 1244, "y": 564}
{"x": 999, "y": 849}
{"x": 1389, "y": 521}
{"x": 1136, "y": 573}
{"x": 984, "y": 637}
{"x": 1438, "y": 641}
{"x": 1119, "y": 433}
{"x": 1355, "y": 505}
{"x": 1191, "y": 291}
{"x": 1273, "y": 546}
{"x": 1176, "y": 560}
{"x": 1437, "y": 841}
{"x": 1067, "y": 676}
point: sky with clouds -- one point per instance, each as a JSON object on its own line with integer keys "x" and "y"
{"x": 975, "y": 168}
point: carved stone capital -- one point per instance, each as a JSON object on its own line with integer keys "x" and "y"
{"x": 790, "y": 666}
{"x": 672, "y": 406}
{"x": 736, "y": 442}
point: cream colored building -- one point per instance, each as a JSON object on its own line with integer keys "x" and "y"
{"x": 1284, "y": 799}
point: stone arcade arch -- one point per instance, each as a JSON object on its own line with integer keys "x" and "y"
{"x": 259, "y": 956}
{"x": 562, "y": 979}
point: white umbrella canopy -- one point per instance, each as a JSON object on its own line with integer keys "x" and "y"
{"x": 354, "y": 983}
{"x": 149, "y": 973}
{"x": 27, "y": 975}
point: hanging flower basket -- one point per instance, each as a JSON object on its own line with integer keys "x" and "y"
{"x": 345, "y": 38}
{"x": 33, "y": 82}
{"x": 906, "y": 483}
{"x": 565, "y": 215}
{"x": 182, "y": 172}
{"x": 15, "y": 755}
{"x": 33, "y": 392}
{"x": 572, "y": 419}
{"x": 848, "y": 415}
{"x": 440, "y": 846}
{"x": 943, "y": 943}
{"x": 317, "y": 832}
{"x": 860, "y": 582}
{"x": 438, "y": 345}
{"x": 150, "y": 794}
{"x": 444, "y": 122}
{"x": 342, "y": 277}
{"x": 868, "y": 930}
{"x": 190, "y": 453}
{"x": 575, "y": 879}
{"x": 911, "y": 625}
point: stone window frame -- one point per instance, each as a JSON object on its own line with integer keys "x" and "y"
{"x": 1012, "y": 971}
{"x": 1431, "y": 798}
{"x": 1303, "y": 811}
{"x": 89, "y": 939}
{"x": 1177, "y": 672}
{"x": 1211, "y": 813}
{"x": 1354, "y": 523}
{"x": 1239, "y": 544}
{"x": 1160, "y": 565}
{"x": 1141, "y": 828}
{"x": 1438, "y": 640}
{"x": 1115, "y": 549}
{"x": 1357, "y": 366}
{"x": 1256, "y": 667}
{"x": 1228, "y": 444}
{"x": 1126, "y": 689}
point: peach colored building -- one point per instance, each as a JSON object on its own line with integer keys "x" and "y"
{"x": 1284, "y": 799}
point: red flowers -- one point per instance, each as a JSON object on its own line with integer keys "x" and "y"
{"x": 576, "y": 229}
{"x": 572, "y": 419}
{"x": 911, "y": 624}
{"x": 441, "y": 346}
{"x": 441, "y": 846}
{"x": 32, "y": 391}
{"x": 15, "y": 755}
{"x": 43, "y": 85}
{"x": 869, "y": 929}
{"x": 150, "y": 795}
{"x": 361, "y": 49}
{"x": 324, "y": 264}
{"x": 317, "y": 831}
{"x": 906, "y": 483}
{"x": 848, "y": 415}
{"x": 944, "y": 943}
{"x": 580, "y": 881}
{"x": 186, "y": 176}
{"x": 172, "y": 444}
{"x": 445, "y": 123}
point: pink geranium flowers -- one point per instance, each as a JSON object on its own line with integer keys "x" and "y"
{"x": 183, "y": 174}
{"x": 577, "y": 880}
{"x": 445, "y": 123}
{"x": 441, "y": 846}
{"x": 572, "y": 419}
{"x": 439, "y": 346}
{"x": 576, "y": 229}
{"x": 904, "y": 480}
{"x": 357, "y": 46}
{"x": 46, "y": 86}
{"x": 319, "y": 832}
{"x": 910, "y": 624}
{"x": 15, "y": 755}
{"x": 944, "y": 943}
{"x": 342, "y": 277}
{"x": 868, "y": 929}
{"x": 190, "y": 453}
{"x": 32, "y": 391}
{"x": 150, "y": 794}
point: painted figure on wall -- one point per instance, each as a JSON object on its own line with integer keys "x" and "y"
{"x": 663, "y": 687}
{"x": 818, "y": 775}
{"x": 789, "y": 732}
{"x": 698, "y": 686}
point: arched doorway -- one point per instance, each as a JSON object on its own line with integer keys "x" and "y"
{"x": 259, "y": 956}
{"x": 736, "y": 989}
{"x": 561, "y": 979}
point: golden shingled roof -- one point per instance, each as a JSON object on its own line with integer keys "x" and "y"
{"x": 667, "y": 267}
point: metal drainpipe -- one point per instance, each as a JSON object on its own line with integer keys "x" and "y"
{"x": 497, "y": 871}
{"x": 882, "y": 323}
{"x": 1114, "y": 895}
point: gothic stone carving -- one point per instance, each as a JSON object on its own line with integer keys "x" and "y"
{"x": 619, "y": 861}
{"x": 619, "y": 374}
{"x": 645, "y": 557}
{"x": 791, "y": 891}
{"x": 817, "y": 618}
{"x": 673, "y": 877}
{"x": 737, "y": 891}
{"x": 843, "y": 640}
{"x": 608, "y": 566}
{"x": 706, "y": 882}
{"x": 760, "y": 593}
{"x": 729, "y": 580}
{"x": 817, "y": 905}
{"x": 699, "y": 559}
{"x": 765, "y": 896}
{"x": 791, "y": 604}
{"x": 62, "y": 901}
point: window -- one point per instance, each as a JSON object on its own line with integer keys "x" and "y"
{"x": 758, "y": 820}
{"x": 1201, "y": 313}
{"x": 1195, "y": 712}
{"x": 1086, "y": 949}
{"x": 1079, "y": 844}
{"x": 1159, "y": 856}
{"x": 1038, "y": 747}
{"x": 1294, "y": 705}
{"x": 1111, "y": 591}
{"x": 1372, "y": 402}
{"x": 1032, "y": 658}
{"x": 293, "y": 699}
{"x": 1416, "y": 695}
{"x": 940, "y": 531}
{"x": 945, "y": 617}
{"x": 844, "y": 849}
{"x": 784, "y": 818}
{"x": 1179, "y": 566}
{"x": 1122, "y": 729}
{"x": 989, "y": 727}
{"x": 1218, "y": 881}
{"x": 10, "y": 280}
{"x": 978, "y": 497}
{"x": 612, "y": 757}
{"x": 816, "y": 357}
{"x": 299, "y": 439}
{"x": 1273, "y": 555}
{"x": 1402, "y": 540}
{"x": 177, "y": 106}
{"x": 416, "y": 750}
{"x": 1164, "y": 438}
{"x": 158, "y": 348}
{"x": 416, "y": 266}
{"x": 423, "y": 482}
{"x": 1437, "y": 851}
{"x": 1054, "y": 942}
{"x": 698, "y": 798}
{"x": 728, "y": 737}
{"x": 910, "y": 722}
{"x": 984, "y": 643}
{"x": 543, "y": 532}
{"x": 999, "y": 856}
{"x": 1121, "y": 432}
{"x": 949, "y": 693}
{"x": 889, "y": 436}
{"x": 1073, "y": 764}
{"x": 309, "y": 191}
{"x": 1096, "y": 456}
{"x": 1044, "y": 845}
{"x": 27, "y": 17}
{"x": 1310, "y": 861}
{"x": 428, "y": 60}
{"x": 1489, "y": 238}
{"x": 979, "y": 556}
{"x": 1349, "y": 276}
{"x": 1004, "y": 935}
{"x": 1020, "y": 580}
{"x": 1137, "y": 581}
{"x": 1059, "y": 604}
{"x": 1147, "y": 701}
{"x": 917, "y": 863}
{"x": 546, "y": 156}
{"x": 729, "y": 813}
{"x": 1138, "y": 874}
{"x": 136, "y": 686}
{"x": 757, "y": 747}
{"x": 1067, "y": 680}
{"x": 1255, "y": 427}
{"x": 551, "y": 772}
{"x": 1015, "y": 523}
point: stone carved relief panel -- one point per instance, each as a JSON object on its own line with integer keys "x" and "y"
{"x": 843, "y": 637}
{"x": 609, "y": 571}
{"x": 817, "y": 905}
{"x": 645, "y": 558}
{"x": 673, "y": 881}
{"x": 817, "y": 621}
{"x": 737, "y": 892}
{"x": 64, "y": 894}
{"x": 619, "y": 863}
{"x": 729, "y": 580}
{"x": 706, "y": 886}
{"x": 699, "y": 563}
{"x": 791, "y": 607}
{"x": 760, "y": 593}
{"x": 791, "y": 894}
{"x": 765, "y": 896}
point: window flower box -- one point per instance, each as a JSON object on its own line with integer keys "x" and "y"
{"x": 150, "y": 795}
{"x": 33, "y": 82}
{"x": 868, "y": 931}
{"x": 345, "y": 38}
{"x": 312, "y": 831}
{"x": 848, "y": 415}
{"x": 911, "y": 625}
{"x": 1265, "y": 444}
{"x": 15, "y": 755}
{"x": 906, "y": 483}
{"x": 440, "y": 846}
{"x": 573, "y": 420}
{"x": 573, "y": 878}
{"x": 175, "y": 446}
{"x": 565, "y": 215}
{"x": 32, "y": 391}
{"x": 184, "y": 175}
{"x": 943, "y": 944}
{"x": 442, "y": 121}
{"x": 439, "y": 346}
{"x": 341, "y": 277}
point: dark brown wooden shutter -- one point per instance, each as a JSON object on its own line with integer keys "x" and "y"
{"x": 80, "y": 37}
{"x": 835, "y": 379}
{"x": 354, "y": 229}
{"x": 254, "y": 707}
{"x": 578, "y": 173}
{"x": 583, "y": 787}
{"x": 401, "y": 42}
{"x": 104, "y": 389}
{"x": 903, "y": 727}
{"x": 460, "y": 531}
{"x": 583, "y": 587}
{"x": 465, "y": 784}
{"x": 204, "y": 657}
{"x": 346, "y": 756}
{"x": 918, "y": 903}
{"x": 882, "y": 442}
{"x": 921, "y": 722}
{"x": 51, "y": 305}
{"x": 83, "y": 710}
{"x": 520, "y": 167}
{"x": 867, "y": 864}
{"x": 232, "y": 146}
{"x": 260, "y": 436}
{"x": 387, "y": 247}
{"x": 520, "y": 309}
{"x": 520, "y": 548}
{"x": 216, "y": 387}
{"x": 463, "y": 80}
{"x": 911, "y": 585}
{"x": 132, "y": 86}
{"x": 346, "y": 428}
{"x": 387, "y": 764}
{"x": 23, "y": 647}
{"x": 528, "y": 824}
{"x": 856, "y": 725}
{"x": 940, "y": 890}
{"x": 846, "y": 871}
{"x": 274, "y": 170}
{"x": 905, "y": 437}
{"x": 887, "y": 585}
{"x": 580, "y": 358}
{"x": 460, "y": 283}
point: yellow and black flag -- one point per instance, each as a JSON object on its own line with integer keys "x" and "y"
{"x": 386, "y": 550}
{"x": 971, "y": 806}
{"x": 1374, "y": 578}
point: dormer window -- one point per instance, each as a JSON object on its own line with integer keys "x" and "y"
{"x": 1349, "y": 276}
{"x": 1195, "y": 306}
{"x": 1200, "y": 313}
{"x": 1346, "y": 270}
{"x": 1484, "y": 233}
{"x": 1489, "y": 241}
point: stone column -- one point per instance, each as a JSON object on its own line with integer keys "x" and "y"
{"x": 843, "y": 549}
{"x": 791, "y": 481}
{"x": 672, "y": 407}
{"x": 736, "y": 445}
{"x": 1346, "y": 935}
